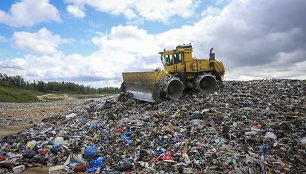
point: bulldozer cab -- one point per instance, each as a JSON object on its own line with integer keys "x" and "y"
{"x": 177, "y": 60}
{"x": 169, "y": 59}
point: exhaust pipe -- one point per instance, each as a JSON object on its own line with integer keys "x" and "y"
{"x": 172, "y": 87}
{"x": 206, "y": 83}
{"x": 212, "y": 55}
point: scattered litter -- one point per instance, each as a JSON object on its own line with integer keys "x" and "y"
{"x": 72, "y": 115}
{"x": 19, "y": 169}
{"x": 244, "y": 127}
{"x": 270, "y": 135}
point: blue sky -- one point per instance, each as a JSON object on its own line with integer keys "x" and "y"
{"x": 92, "y": 42}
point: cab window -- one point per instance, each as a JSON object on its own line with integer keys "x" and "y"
{"x": 163, "y": 59}
{"x": 167, "y": 59}
{"x": 170, "y": 59}
{"x": 178, "y": 58}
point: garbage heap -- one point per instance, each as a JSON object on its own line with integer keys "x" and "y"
{"x": 244, "y": 127}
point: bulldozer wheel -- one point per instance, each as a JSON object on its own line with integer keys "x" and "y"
{"x": 172, "y": 87}
{"x": 206, "y": 83}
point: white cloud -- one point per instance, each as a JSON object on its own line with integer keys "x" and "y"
{"x": 68, "y": 41}
{"x": 293, "y": 71}
{"x": 119, "y": 51}
{"x": 15, "y": 64}
{"x": 75, "y": 11}
{"x": 41, "y": 42}
{"x": 213, "y": 11}
{"x": 29, "y": 13}
{"x": 222, "y": 2}
{"x": 100, "y": 66}
{"x": 128, "y": 39}
{"x": 159, "y": 10}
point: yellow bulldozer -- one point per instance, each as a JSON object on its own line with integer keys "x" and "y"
{"x": 181, "y": 71}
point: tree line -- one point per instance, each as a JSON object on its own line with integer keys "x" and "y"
{"x": 50, "y": 87}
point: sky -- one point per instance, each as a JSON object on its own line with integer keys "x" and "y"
{"x": 93, "y": 41}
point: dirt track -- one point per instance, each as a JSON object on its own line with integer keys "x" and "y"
{"x": 15, "y": 117}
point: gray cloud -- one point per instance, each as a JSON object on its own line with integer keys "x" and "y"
{"x": 261, "y": 30}
{"x": 264, "y": 36}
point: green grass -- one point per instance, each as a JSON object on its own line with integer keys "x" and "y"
{"x": 109, "y": 94}
{"x": 9, "y": 94}
{"x": 82, "y": 96}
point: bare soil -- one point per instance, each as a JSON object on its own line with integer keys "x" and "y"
{"x": 47, "y": 97}
{"x": 36, "y": 170}
{"x": 9, "y": 130}
{"x": 15, "y": 117}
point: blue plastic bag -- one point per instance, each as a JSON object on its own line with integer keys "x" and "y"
{"x": 3, "y": 153}
{"x": 96, "y": 163}
{"x": 90, "y": 151}
{"x": 94, "y": 126}
{"x": 126, "y": 137}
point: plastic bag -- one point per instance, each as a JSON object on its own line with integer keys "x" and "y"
{"x": 96, "y": 163}
{"x": 90, "y": 151}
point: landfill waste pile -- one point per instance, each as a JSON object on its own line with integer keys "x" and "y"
{"x": 245, "y": 127}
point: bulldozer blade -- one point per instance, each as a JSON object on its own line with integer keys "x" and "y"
{"x": 142, "y": 85}
{"x": 145, "y": 95}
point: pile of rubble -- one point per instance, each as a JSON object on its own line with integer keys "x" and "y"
{"x": 245, "y": 127}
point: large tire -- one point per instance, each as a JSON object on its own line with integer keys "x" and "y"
{"x": 172, "y": 87}
{"x": 206, "y": 83}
